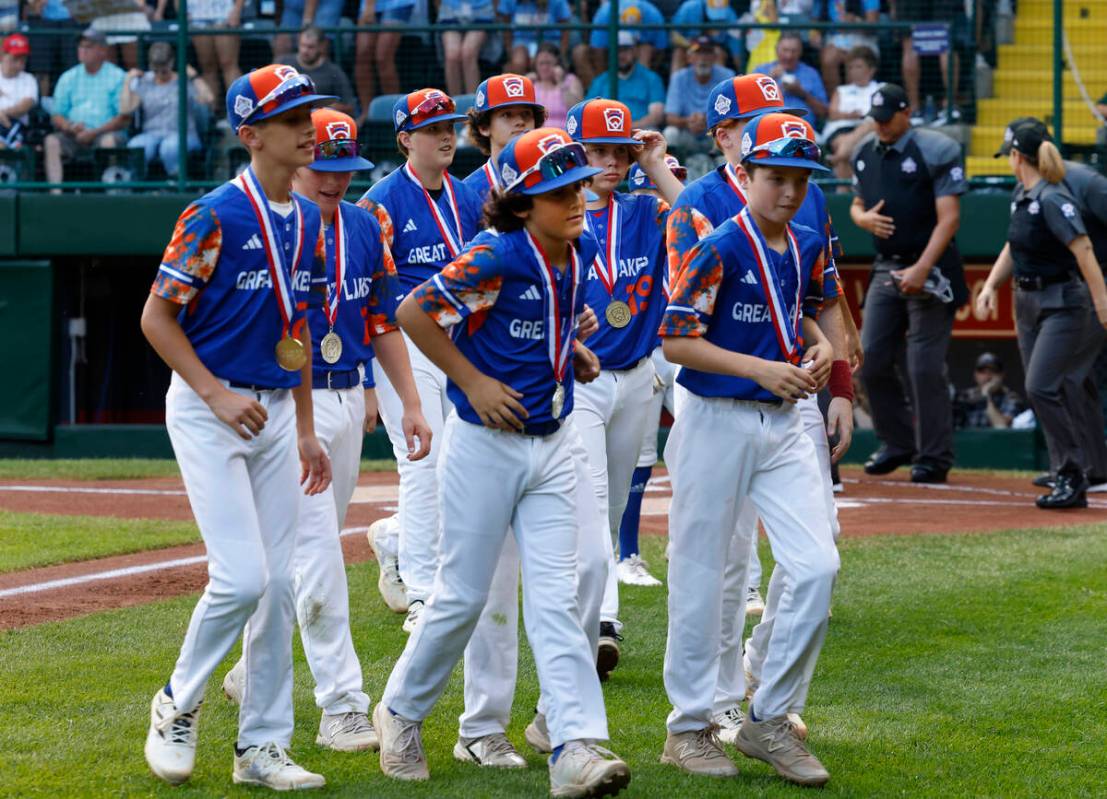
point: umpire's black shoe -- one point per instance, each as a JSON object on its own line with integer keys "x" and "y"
{"x": 1044, "y": 480}
{"x": 883, "y": 462}
{"x": 607, "y": 658}
{"x": 1069, "y": 491}
{"x": 925, "y": 473}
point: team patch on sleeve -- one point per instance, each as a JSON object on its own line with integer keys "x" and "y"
{"x": 694, "y": 292}
{"x": 191, "y": 255}
{"x": 465, "y": 287}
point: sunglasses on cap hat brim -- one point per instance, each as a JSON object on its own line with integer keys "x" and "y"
{"x": 339, "y": 155}
{"x": 787, "y": 151}
{"x": 560, "y": 166}
{"x": 290, "y": 93}
{"x": 432, "y": 109}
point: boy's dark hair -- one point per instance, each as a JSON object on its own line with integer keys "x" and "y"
{"x": 500, "y": 210}
{"x": 479, "y": 118}
{"x": 865, "y": 54}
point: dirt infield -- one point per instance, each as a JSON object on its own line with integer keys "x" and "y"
{"x": 869, "y": 506}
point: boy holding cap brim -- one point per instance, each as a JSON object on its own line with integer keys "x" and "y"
{"x": 741, "y": 325}
{"x": 226, "y": 313}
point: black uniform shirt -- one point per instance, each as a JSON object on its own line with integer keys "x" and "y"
{"x": 1089, "y": 189}
{"x": 1044, "y": 221}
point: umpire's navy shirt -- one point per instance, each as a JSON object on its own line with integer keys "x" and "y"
{"x": 1044, "y": 221}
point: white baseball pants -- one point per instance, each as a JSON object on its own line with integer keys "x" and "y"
{"x": 664, "y": 380}
{"x": 525, "y": 483}
{"x": 245, "y": 496}
{"x": 418, "y": 517}
{"x": 611, "y": 414}
{"x": 719, "y": 451}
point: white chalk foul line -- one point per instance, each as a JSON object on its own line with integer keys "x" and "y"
{"x": 80, "y": 490}
{"x": 128, "y": 571}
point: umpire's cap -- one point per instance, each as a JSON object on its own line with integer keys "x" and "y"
{"x": 1024, "y": 135}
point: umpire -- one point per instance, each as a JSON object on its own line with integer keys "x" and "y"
{"x": 1048, "y": 251}
{"x": 908, "y": 184}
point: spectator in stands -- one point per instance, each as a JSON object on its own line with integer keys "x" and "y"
{"x": 632, "y": 13}
{"x": 640, "y": 88}
{"x": 694, "y": 13}
{"x": 51, "y": 55}
{"x": 304, "y": 14}
{"x": 686, "y": 103}
{"x": 521, "y": 42}
{"x": 839, "y": 45}
{"x": 132, "y": 20}
{"x": 461, "y": 46}
{"x": 554, "y": 88}
{"x": 216, "y": 55}
{"x": 311, "y": 59}
{"x": 952, "y": 11}
{"x": 156, "y": 94}
{"x": 802, "y": 85}
{"x": 376, "y": 52}
{"x": 86, "y": 105}
{"x": 847, "y": 121}
{"x": 9, "y": 16}
{"x": 989, "y": 403}
{"x": 18, "y": 91}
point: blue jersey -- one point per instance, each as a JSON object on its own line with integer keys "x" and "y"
{"x": 711, "y": 200}
{"x": 495, "y": 295}
{"x": 368, "y": 299}
{"x": 640, "y": 278}
{"x": 216, "y": 267}
{"x": 422, "y": 241}
{"x": 481, "y": 181}
{"x": 721, "y": 295}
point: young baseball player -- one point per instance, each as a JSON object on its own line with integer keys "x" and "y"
{"x": 631, "y": 569}
{"x": 624, "y": 284}
{"x": 426, "y": 216}
{"x": 226, "y": 315}
{"x": 354, "y": 303}
{"x": 703, "y": 205}
{"x": 510, "y": 365}
{"x": 740, "y": 323}
{"x": 505, "y": 106}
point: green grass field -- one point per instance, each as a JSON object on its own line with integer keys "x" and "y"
{"x": 955, "y": 666}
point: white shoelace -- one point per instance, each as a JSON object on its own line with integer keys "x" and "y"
{"x": 272, "y": 757}
{"x": 181, "y": 727}
{"x": 409, "y": 744}
{"x": 351, "y": 723}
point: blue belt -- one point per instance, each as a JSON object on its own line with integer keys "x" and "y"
{"x": 542, "y": 429}
{"x": 336, "y": 380}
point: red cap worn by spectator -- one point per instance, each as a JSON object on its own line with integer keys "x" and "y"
{"x": 17, "y": 44}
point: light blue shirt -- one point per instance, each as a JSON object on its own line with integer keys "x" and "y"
{"x": 638, "y": 91}
{"x": 693, "y": 13}
{"x": 631, "y": 14}
{"x": 90, "y": 99}
{"x": 808, "y": 77}
{"x": 526, "y": 12}
{"x": 687, "y": 95}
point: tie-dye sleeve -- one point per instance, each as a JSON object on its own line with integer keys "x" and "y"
{"x": 817, "y": 288}
{"x": 384, "y": 294}
{"x": 469, "y": 285}
{"x": 694, "y": 293}
{"x": 190, "y": 258}
{"x": 683, "y": 229}
{"x": 380, "y": 213}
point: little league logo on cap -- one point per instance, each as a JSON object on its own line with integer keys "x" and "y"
{"x": 422, "y": 108}
{"x": 542, "y": 160}
{"x": 600, "y": 121}
{"x": 269, "y": 91}
{"x": 505, "y": 90}
{"x": 336, "y": 147}
{"x": 887, "y": 101}
{"x": 745, "y": 97}
{"x": 339, "y": 129}
{"x": 781, "y": 140}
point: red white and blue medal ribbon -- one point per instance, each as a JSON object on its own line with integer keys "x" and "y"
{"x": 454, "y": 241}
{"x": 492, "y": 175}
{"x": 787, "y": 330}
{"x": 607, "y": 261}
{"x": 732, "y": 179}
{"x": 281, "y": 273}
{"x": 339, "y": 267}
{"x": 560, "y": 343}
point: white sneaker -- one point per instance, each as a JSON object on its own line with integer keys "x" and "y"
{"x": 728, "y": 722}
{"x": 347, "y": 732}
{"x": 585, "y": 769}
{"x": 755, "y": 605}
{"x": 402, "y": 754}
{"x": 233, "y": 682}
{"x": 271, "y": 767}
{"x": 492, "y": 751}
{"x": 392, "y": 588}
{"x": 171, "y": 740}
{"x": 413, "y": 614}
{"x": 1096, "y": 485}
{"x": 633, "y": 571}
{"x": 538, "y": 735}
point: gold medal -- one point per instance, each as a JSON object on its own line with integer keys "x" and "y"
{"x": 331, "y": 347}
{"x": 290, "y": 354}
{"x": 618, "y": 314}
{"x": 557, "y": 404}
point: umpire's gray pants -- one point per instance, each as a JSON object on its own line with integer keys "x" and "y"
{"x": 927, "y": 324}
{"x": 1052, "y": 325}
{"x": 1082, "y": 391}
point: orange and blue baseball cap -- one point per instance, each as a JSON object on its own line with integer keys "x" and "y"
{"x": 424, "y": 107}
{"x": 600, "y": 121}
{"x": 781, "y": 140}
{"x": 501, "y": 91}
{"x": 542, "y": 160}
{"x": 745, "y": 97}
{"x": 269, "y": 91}
{"x": 336, "y": 147}
{"x": 637, "y": 178}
